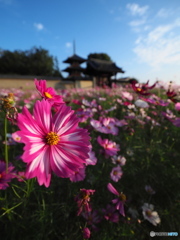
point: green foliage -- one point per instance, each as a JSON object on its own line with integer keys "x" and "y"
{"x": 100, "y": 56}
{"x": 29, "y": 211}
{"x": 35, "y": 61}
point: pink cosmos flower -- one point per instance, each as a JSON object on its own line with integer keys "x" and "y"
{"x": 77, "y": 102}
{"x": 109, "y": 126}
{"x": 83, "y": 200}
{"x": 110, "y": 148}
{"x": 97, "y": 125}
{"x": 116, "y": 173}
{"x": 6, "y": 175}
{"x": 92, "y": 218}
{"x": 177, "y": 106}
{"x": 176, "y": 122}
{"x": 52, "y": 142}
{"x": 142, "y": 89}
{"x": 16, "y": 137}
{"x": 21, "y": 176}
{"x": 86, "y": 233}
{"x": 120, "y": 123}
{"x": 127, "y": 95}
{"x": 171, "y": 94}
{"x": 78, "y": 175}
{"x": 83, "y": 114}
{"x": 92, "y": 160}
{"x": 89, "y": 104}
{"x": 169, "y": 115}
{"x": 156, "y": 100}
{"x": 120, "y": 201}
{"x": 110, "y": 214}
{"x": 48, "y": 93}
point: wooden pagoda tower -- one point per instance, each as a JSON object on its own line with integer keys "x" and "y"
{"x": 98, "y": 71}
{"x": 75, "y": 70}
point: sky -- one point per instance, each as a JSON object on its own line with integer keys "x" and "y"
{"x": 141, "y": 36}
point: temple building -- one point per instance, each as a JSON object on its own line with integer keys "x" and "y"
{"x": 102, "y": 70}
{"x": 99, "y": 72}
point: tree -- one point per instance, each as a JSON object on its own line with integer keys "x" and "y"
{"x": 35, "y": 61}
{"x": 101, "y": 56}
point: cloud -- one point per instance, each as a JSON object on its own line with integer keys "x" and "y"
{"x": 164, "y": 13}
{"x": 160, "y": 46}
{"x": 140, "y": 14}
{"x": 137, "y": 23}
{"x": 159, "y": 32}
{"x": 39, "y": 26}
{"x": 68, "y": 45}
{"x": 136, "y": 10}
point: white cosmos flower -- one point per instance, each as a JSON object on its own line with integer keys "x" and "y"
{"x": 140, "y": 103}
{"x": 150, "y": 215}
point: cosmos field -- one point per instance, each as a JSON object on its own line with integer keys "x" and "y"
{"x": 99, "y": 163}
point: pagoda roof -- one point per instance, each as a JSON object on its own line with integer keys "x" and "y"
{"x": 102, "y": 66}
{"x": 74, "y": 58}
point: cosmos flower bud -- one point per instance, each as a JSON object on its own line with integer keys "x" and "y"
{"x": 7, "y": 104}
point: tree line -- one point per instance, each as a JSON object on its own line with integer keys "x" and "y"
{"x": 36, "y": 61}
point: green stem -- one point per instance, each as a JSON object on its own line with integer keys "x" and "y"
{"x": 6, "y": 146}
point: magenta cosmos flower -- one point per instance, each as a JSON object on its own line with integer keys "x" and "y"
{"x": 78, "y": 176}
{"x": 52, "y": 142}
{"x": 110, "y": 214}
{"x": 177, "y": 106}
{"x": 83, "y": 200}
{"x": 120, "y": 201}
{"x": 110, "y": 148}
{"x": 6, "y": 175}
{"x": 142, "y": 89}
{"x": 48, "y": 93}
{"x": 86, "y": 233}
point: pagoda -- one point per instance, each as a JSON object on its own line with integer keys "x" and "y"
{"x": 75, "y": 70}
{"x": 97, "y": 71}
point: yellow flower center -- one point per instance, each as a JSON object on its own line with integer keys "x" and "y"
{"x": 8, "y": 101}
{"x": 115, "y": 173}
{"x": 52, "y": 138}
{"x": 148, "y": 213}
{"x": 139, "y": 89}
{"x": 48, "y": 95}
{"x": 18, "y": 138}
{"x": 85, "y": 195}
{"x": 0, "y": 175}
{"x": 122, "y": 197}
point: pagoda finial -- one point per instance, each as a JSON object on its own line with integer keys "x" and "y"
{"x": 74, "y": 47}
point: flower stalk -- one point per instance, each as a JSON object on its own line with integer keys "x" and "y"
{"x": 5, "y": 144}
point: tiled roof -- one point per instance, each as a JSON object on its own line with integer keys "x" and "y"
{"x": 97, "y": 65}
{"x": 73, "y": 68}
{"x": 74, "y": 58}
